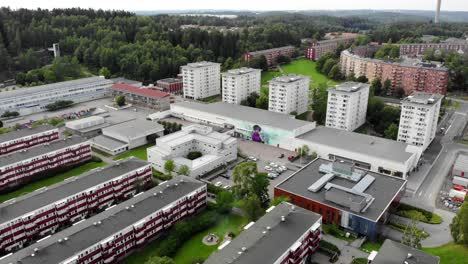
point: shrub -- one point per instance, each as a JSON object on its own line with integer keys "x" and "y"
{"x": 161, "y": 176}
{"x": 59, "y": 105}
{"x": 213, "y": 189}
{"x": 96, "y": 159}
{"x": 359, "y": 261}
{"x": 329, "y": 246}
{"x": 10, "y": 114}
{"x": 194, "y": 155}
{"x": 408, "y": 211}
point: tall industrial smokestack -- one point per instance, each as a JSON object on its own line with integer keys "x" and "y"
{"x": 437, "y": 15}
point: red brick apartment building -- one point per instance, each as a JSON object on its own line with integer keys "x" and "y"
{"x": 44, "y": 212}
{"x": 411, "y": 76}
{"x": 171, "y": 85}
{"x": 20, "y": 167}
{"x": 271, "y": 55}
{"x": 318, "y": 48}
{"x": 27, "y": 138}
{"x": 142, "y": 96}
{"x": 285, "y": 234}
{"x": 120, "y": 230}
{"x": 417, "y": 49}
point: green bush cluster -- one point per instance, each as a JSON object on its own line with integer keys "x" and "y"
{"x": 161, "y": 176}
{"x": 193, "y": 155}
{"x": 329, "y": 246}
{"x": 408, "y": 211}
{"x": 59, "y": 105}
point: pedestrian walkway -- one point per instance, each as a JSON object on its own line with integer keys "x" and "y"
{"x": 348, "y": 252}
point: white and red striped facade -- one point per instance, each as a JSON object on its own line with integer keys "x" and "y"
{"x": 28, "y": 138}
{"x": 47, "y": 219}
{"x": 304, "y": 247}
{"x": 19, "y": 168}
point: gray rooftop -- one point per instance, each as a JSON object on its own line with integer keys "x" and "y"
{"x": 40, "y": 150}
{"x": 107, "y": 142}
{"x": 134, "y": 128}
{"x": 240, "y": 71}
{"x": 54, "y": 86}
{"x": 461, "y": 163}
{"x": 393, "y": 252}
{"x": 86, "y": 234}
{"x": 261, "y": 52}
{"x": 17, "y": 134}
{"x": 201, "y": 64}
{"x": 422, "y": 98}
{"x": 354, "y": 142}
{"x": 51, "y": 194}
{"x": 289, "y": 78}
{"x": 267, "y": 248}
{"x": 170, "y": 80}
{"x": 349, "y": 87}
{"x": 249, "y": 114}
{"x": 383, "y": 189}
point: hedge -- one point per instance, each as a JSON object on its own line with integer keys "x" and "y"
{"x": 330, "y": 246}
{"x": 408, "y": 211}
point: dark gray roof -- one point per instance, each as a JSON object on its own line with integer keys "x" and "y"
{"x": 261, "y": 52}
{"x": 107, "y": 142}
{"x": 354, "y": 142}
{"x": 51, "y": 194}
{"x": 86, "y": 234}
{"x": 268, "y": 247}
{"x": 40, "y": 150}
{"x": 393, "y": 252}
{"x": 383, "y": 189}
{"x": 170, "y": 80}
{"x": 250, "y": 114}
{"x": 25, "y": 132}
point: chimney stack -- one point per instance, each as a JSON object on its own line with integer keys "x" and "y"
{"x": 437, "y": 15}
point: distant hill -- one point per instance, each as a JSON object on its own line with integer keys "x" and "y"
{"x": 385, "y": 16}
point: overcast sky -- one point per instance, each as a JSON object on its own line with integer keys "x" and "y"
{"x": 452, "y": 5}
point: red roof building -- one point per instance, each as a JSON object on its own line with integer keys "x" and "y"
{"x": 142, "y": 96}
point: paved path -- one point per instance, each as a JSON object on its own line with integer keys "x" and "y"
{"x": 348, "y": 252}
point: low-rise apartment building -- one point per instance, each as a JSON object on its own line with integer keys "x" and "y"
{"x": 289, "y": 93}
{"x": 418, "y": 49}
{"x": 318, "y": 48}
{"x": 45, "y": 211}
{"x": 238, "y": 84}
{"x": 271, "y": 55}
{"x": 201, "y": 79}
{"x": 120, "y": 230}
{"x": 347, "y": 106}
{"x": 285, "y": 234}
{"x": 142, "y": 96}
{"x": 21, "y": 167}
{"x": 27, "y": 138}
{"x": 418, "y": 119}
{"x": 171, "y": 85}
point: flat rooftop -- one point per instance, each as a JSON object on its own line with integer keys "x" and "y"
{"x": 148, "y": 92}
{"x": 289, "y": 78}
{"x": 170, "y": 80}
{"x": 249, "y": 114}
{"x": 349, "y": 87}
{"x": 267, "y": 247}
{"x": 54, "y": 86}
{"x": 240, "y": 71}
{"x": 40, "y": 150}
{"x": 383, "y": 189}
{"x": 201, "y": 64}
{"x": 134, "y": 128}
{"x": 108, "y": 142}
{"x": 10, "y": 210}
{"x": 461, "y": 163}
{"x": 86, "y": 234}
{"x": 260, "y": 52}
{"x": 422, "y": 98}
{"x": 393, "y": 252}
{"x": 17, "y": 134}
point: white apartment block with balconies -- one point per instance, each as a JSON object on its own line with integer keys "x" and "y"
{"x": 201, "y": 79}
{"x": 418, "y": 120}
{"x": 289, "y": 93}
{"x": 238, "y": 84}
{"x": 347, "y": 106}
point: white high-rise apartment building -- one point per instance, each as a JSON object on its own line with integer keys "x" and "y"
{"x": 238, "y": 84}
{"x": 289, "y": 93}
{"x": 418, "y": 119}
{"x": 347, "y": 106}
{"x": 201, "y": 79}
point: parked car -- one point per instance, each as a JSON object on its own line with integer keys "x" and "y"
{"x": 268, "y": 168}
{"x": 218, "y": 184}
{"x": 272, "y": 175}
{"x": 252, "y": 158}
{"x": 282, "y": 167}
{"x": 279, "y": 171}
{"x": 292, "y": 158}
{"x": 227, "y": 187}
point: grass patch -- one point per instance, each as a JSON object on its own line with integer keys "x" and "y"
{"x": 402, "y": 227}
{"x": 212, "y": 99}
{"x": 336, "y": 232}
{"x": 268, "y": 75}
{"x": 359, "y": 261}
{"x": 370, "y": 246}
{"x": 450, "y": 253}
{"x": 52, "y": 180}
{"x": 411, "y": 212}
{"x": 139, "y": 152}
{"x": 456, "y": 105}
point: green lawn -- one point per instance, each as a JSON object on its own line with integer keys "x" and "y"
{"x": 370, "y": 246}
{"x": 52, "y": 180}
{"x": 194, "y": 249}
{"x": 139, "y": 152}
{"x": 450, "y": 253}
{"x": 268, "y": 75}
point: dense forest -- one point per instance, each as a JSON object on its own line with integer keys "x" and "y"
{"x": 148, "y": 48}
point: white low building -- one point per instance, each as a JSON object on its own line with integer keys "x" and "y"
{"x": 217, "y": 149}
{"x": 347, "y": 106}
{"x": 288, "y": 94}
{"x": 238, "y": 84}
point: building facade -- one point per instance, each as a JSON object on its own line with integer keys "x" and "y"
{"x": 418, "y": 49}
{"x": 201, "y": 79}
{"x": 289, "y": 93}
{"x": 285, "y": 234}
{"x": 347, "y": 106}
{"x": 318, "y": 48}
{"x": 238, "y": 84}
{"x": 38, "y": 214}
{"x": 116, "y": 233}
{"x": 409, "y": 76}
{"x": 19, "y": 168}
{"x": 418, "y": 119}
{"x": 271, "y": 55}
{"x": 35, "y": 99}
{"x": 217, "y": 149}
{"x": 142, "y": 96}
{"x": 27, "y": 138}
{"x": 171, "y": 85}
{"x": 355, "y": 199}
